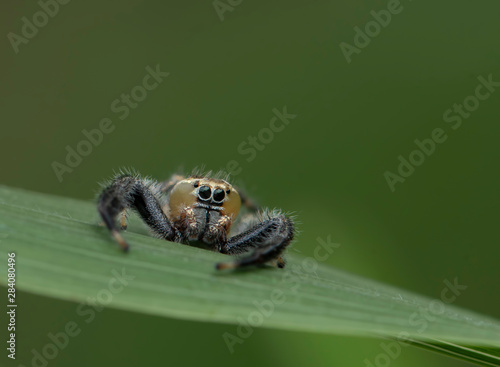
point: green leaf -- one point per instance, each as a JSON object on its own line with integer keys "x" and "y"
{"x": 62, "y": 252}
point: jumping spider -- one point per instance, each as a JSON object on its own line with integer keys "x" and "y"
{"x": 197, "y": 208}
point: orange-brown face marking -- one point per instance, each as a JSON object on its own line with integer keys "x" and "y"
{"x": 191, "y": 191}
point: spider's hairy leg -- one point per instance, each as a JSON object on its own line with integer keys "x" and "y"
{"x": 269, "y": 238}
{"x": 130, "y": 192}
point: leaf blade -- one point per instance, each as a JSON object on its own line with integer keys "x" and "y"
{"x": 62, "y": 253}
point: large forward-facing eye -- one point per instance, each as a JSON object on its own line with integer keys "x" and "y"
{"x": 204, "y": 193}
{"x": 219, "y": 195}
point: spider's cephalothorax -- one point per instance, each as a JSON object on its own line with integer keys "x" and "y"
{"x": 197, "y": 208}
{"x": 203, "y": 209}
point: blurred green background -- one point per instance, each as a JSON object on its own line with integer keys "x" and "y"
{"x": 226, "y": 76}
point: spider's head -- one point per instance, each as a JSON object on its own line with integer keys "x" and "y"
{"x": 206, "y": 192}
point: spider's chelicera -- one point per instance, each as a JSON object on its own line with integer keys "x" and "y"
{"x": 198, "y": 208}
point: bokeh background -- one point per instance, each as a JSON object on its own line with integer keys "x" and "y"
{"x": 226, "y": 76}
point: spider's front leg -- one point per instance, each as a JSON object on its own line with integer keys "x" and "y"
{"x": 269, "y": 238}
{"x": 130, "y": 192}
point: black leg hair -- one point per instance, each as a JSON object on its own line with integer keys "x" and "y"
{"x": 129, "y": 192}
{"x": 268, "y": 239}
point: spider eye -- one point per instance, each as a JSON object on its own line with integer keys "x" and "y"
{"x": 219, "y": 195}
{"x": 228, "y": 191}
{"x": 196, "y": 184}
{"x": 204, "y": 193}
